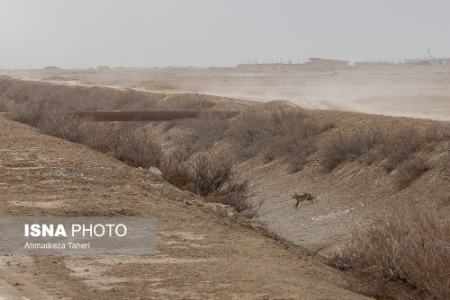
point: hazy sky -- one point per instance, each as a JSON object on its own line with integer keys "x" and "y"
{"x": 83, "y": 33}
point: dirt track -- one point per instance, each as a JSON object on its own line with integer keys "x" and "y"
{"x": 200, "y": 254}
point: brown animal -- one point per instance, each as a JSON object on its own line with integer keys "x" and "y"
{"x": 305, "y": 197}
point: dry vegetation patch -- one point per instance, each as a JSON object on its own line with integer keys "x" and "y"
{"x": 235, "y": 195}
{"x": 347, "y": 146}
{"x": 402, "y": 256}
{"x": 137, "y": 147}
{"x": 404, "y": 149}
{"x": 60, "y": 125}
{"x": 412, "y": 168}
{"x": 290, "y": 134}
{"x": 5, "y": 104}
{"x": 276, "y": 133}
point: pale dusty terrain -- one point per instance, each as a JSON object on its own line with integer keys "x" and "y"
{"x": 201, "y": 254}
{"x": 347, "y": 199}
{"x": 419, "y": 92}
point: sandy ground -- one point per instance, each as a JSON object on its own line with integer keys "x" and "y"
{"x": 200, "y": 253}
{"x": 347, "y": 200}
{"x": 419, "y": 92}
{"x": 407, "y": 94}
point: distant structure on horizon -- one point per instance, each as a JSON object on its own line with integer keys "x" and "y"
{"x": 432, "y": 61}
{"x": 103, "y": 68}
{"x": 332, "y": 65}
{"x": 313, "y": 64}
{"x": 52, "y": 68}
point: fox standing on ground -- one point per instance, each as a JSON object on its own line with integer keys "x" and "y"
{"x": 305, "y": 197}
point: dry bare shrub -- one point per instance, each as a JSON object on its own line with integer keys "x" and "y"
{"x": 437, "y": 132}
{"x": 234, "y": 195}
{"x": 137, "y": 147}
{"x": 26, "y": 113}
{"x": 289, "y": 134}
{"x": 295, "y": 137}
{"x": 404, "y": 142}
{"x": 347, "y": 146}
{"x": 129, "y": 143}
{"x": 446, "y": 166}
{"x": 206, "y": 174}
{"x": 76, "y": 98}
{"x": 61, "y": 125}
{"x": 210, "y": 171}
{"x": 400, "y": 143}
{"x": 201, "y": 173}
{"x": 5, "y": 104}
{"x": 402, "y": 256}
{"x": 205, "y": 131}
{"x": 396, "y": 148}
{"x": 175, "y": 167}
{"x": 101, "y": 136}
{"x": 412, "y": 168}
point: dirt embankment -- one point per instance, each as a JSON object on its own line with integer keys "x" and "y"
{"x": 200, "y": 254}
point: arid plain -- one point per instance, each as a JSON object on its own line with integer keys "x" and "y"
{"x": 366, "y": 144}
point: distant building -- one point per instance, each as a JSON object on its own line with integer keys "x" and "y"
{"x": 444, "y": 61}
{"x": 327, "y": 63}
{"x": 429, "y": 61}
{"x": 51, "y": 68}
{"x": 371, "y": 63}
{"x": 276, "y": 67}
{"x": 314, "y": 65}
{"x": 103, "y": 68}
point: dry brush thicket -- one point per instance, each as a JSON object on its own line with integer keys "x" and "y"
{"x": 404, "y": 256}
{"x": 51, "y": 108}
{"x": 291, "y": 135}
{"x": 404, "y": 150}
{"x": 288, "y": 134}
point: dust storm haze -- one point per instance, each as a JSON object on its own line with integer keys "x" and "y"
{"x": 150, "y": 33}
{"x": 392, "y": 52}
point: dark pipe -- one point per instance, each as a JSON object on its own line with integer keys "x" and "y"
{"x": 150, "y": 115}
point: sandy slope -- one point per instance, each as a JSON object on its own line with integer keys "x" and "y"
{"x": 201, "y": 255}
{"x": 348, "y": 198}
